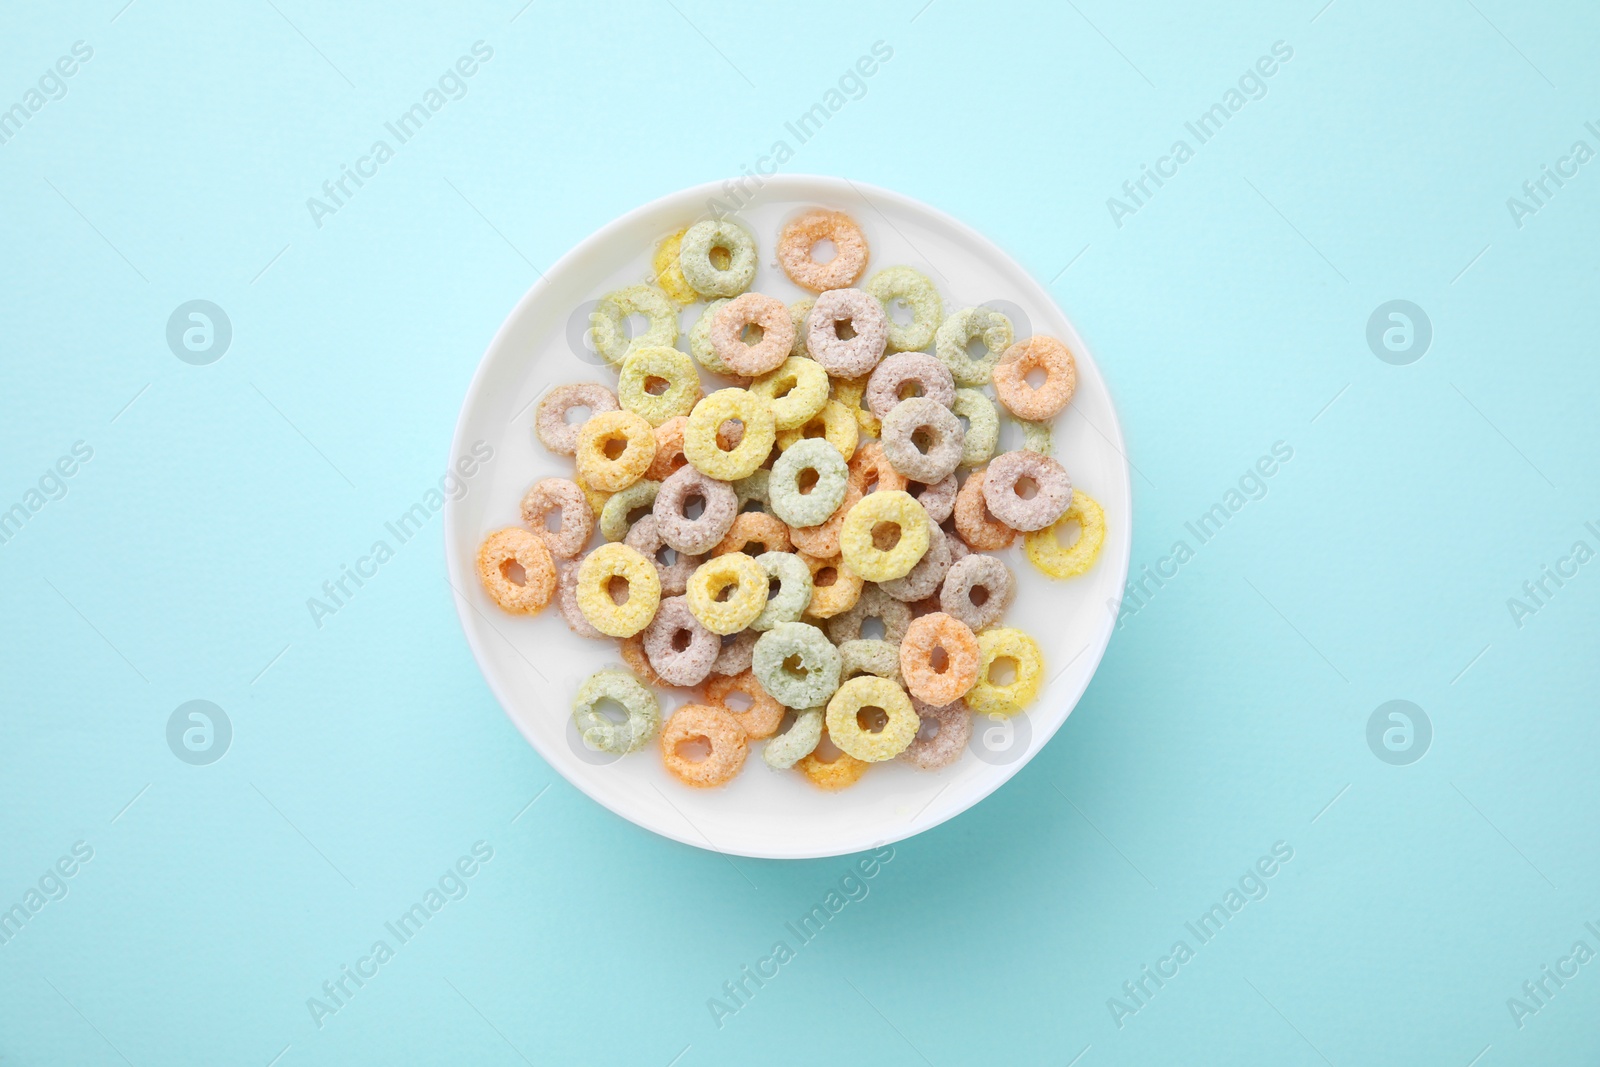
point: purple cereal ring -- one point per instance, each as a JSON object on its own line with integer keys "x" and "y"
{"x": 679, "y": 649}
{"x": 777, "y": 334}
{"x": 567, "y": 604}
{"x": 847, "y": 357}
{"x": 699, "y": 535}
{"x": 1002, "y": 490}
{"x": 938, "y": 499}
{"x": 896, "y": 376}
{"x": 738, "y": 652}
{"x": 922, "y": 439}
{"x": 951, "y": 729}
{"x": 977, "y": 590}
{"x": 646, "y": 540}
{"x": 873, "y": 603}
{"x": 577, "y": 521}
{"x": 550, "y": 422}
{"x": 924, "y": 579}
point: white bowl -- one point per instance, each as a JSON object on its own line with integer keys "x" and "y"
{"x": 534, "y": 665}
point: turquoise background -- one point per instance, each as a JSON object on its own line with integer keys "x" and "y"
{"x": 1229, "y": 313}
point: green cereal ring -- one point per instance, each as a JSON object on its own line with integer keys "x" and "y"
{"x": 645, "y": 364}
{"x": 815, "y": 674}
{"x": 1036, "y": 437}
{"x": 606, "y": 321}
{"x": 950, "y": 344}
{"x": 799, "y": 506}
{"x": 867, "y": 656}
{"x": 798, "y": 312}
{"x": 983, "y": 426}
{"x": 795, "y": 743}
{"x": 794, "y": 589}
{"x": 617, "y": 516}
{"x": 754, "y": 488}
{"x": 927, "y": 310}
{"x": 599, "y": 732}
{"x": 700, "y": 340}
{"x": 703, "y": 276}
{"x": 797, "y": 389}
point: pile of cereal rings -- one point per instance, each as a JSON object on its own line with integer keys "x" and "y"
{"x": 846, "y": 474}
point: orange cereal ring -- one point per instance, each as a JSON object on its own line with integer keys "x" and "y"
{"x": 834, "y": 588}
{"x": 576, "y": 525}
{"x": 713, "y": 726}
{"x": 974, "y": 522}
{"x": 515, "y": 546}
{"x": 1060, "y": 378}
{"x": 823, "y": 540}
{"x": 754, "y": 528}
{"x": 799, "y": 237}
{"x": 932, "y": 677}
{"x": 669, "y": 449}
{"x": 615, "y": 448}
{"x": 870, "y": 469}
{"x": 768, "y": 313}
{"x": 763, "y": 716}
{"x": 841, "y": 772}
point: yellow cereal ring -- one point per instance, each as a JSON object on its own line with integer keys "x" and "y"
{"x": 647, "y": 365}
{"x": 849, "y": 392}
{"x": 615, "y": 448}
{"x": 797, "y": 389}
{"x": 833, "y": 423}
{"x": 735, "y": 571}
{"x": 1044, "y": 547}
{"x": 832, "y": 775}
{"x": 700, "y": 444}
{"x": 595, "y": 599}
{"x": 838, "y": 593}
{"x": 988, "y": 697}
{"x": 855, "y": 739}
{"x": 515, "y": 545}
{"x": 898, "y": 511}
{"x": 668, "y": 274}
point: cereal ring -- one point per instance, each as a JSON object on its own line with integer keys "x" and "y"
{"x": 744, "y": 458}
{"x": 623, "y": 509}
{"x": 884, "y": 535}
{"x": 754, "y": 528}
{"x": 680, "y": 650}
{"x": 851, "y": 393}
{"x": 797, "y": 239}
{"x": 833, "y": 587}
{"x": 737, "y": 652}
{"x": 950, "y": 344}
{"x": 1060, "y": 378}
{"x": 988, "y": 697}
{"x": 869, "y": 656}
{"x": 795, "y": 743}
{"x": 924, "y": 579}
{"x": 916, "y": 291}
{"x": 716, "y": 576}
{"x": 698, "y": 535}
{"x": 1036, "y": 437}
{"x": 797, "y": 315}
{"x": 854, "y": 737}
{"x": 667, "y": 272}
{"x": 633, "y": 655}
{"x": 669, "y": 449}
{"x": 983, "y": 426}
{"x": 796, "y": 664}
{"x": 703, "y": 275}
{"x": 943, "y": 745}
{"x": 847, "y": 357}
{"x": 752, "y": 309}
{"x": 797, "y": 390}
{"x": 977, "y": 591}
{"x": 976, "y": 525}
{"x": 923, "y": 439}
{"x": 753, "y": 487}
{"x": 608, "y": 322}
{"x": 906, "y": 375}
{"x": 870, "y": 470}
{"x": 615, "y": 448}
{"x": 576, "y": 524}
{"x": 1002, "y": 484}
{"x": 873, "y": 603}
{"x": 833, "y": 424}
{"x": 645, "y": 539}
{"x": 513, "y": 545}
{"x": 700, "y": 340}
{"x": 647, "y": 365}
{"x": 808, "y": 483}
{"x": 1044, "y": 546}
{"x": 938, "y": 499}
{"x": 600, "y": 733}
{"x": 764, "y": 715}
{"x": 794, "y": 589}
{"x": 719, "y": 730}
{"x": 939, "y": 659}
{"x": 567, "y": 603}
{"x": 550, "y": 422}
{"x": 840, "y": 772}
{"x": 597, "y": 601}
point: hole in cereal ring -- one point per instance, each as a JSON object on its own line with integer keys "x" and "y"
{"x": 552, "y": 521}
{"x": 795, "y": 665}
{"x": 826, "y": 751}
{"x": 1026, "y": 488}
{"x": 694, "y": 505}
{"x": 655, "y": 385}
{"x": 774, "y": 587}
{"x": 614, "y": 447}
{"x": 885, "y": 535}
{"x": 725, "y": 593}
{"x": 922, "y": 439}
{"x": 695, "y": 749}
{"x": 939, "y": 659}
{"x": 1035, "y": 377}
{"x": 729, "y": 434}
{"x": 578, "y": 414}
{"x": 825, "y": 577}
{"x": 617, "y": 587}
{"x": 807, "y": 480}
{"x": 900, "y": 312}
{"x": 611, "y": 711}
{"x": 636, "y": 325}
{"x": 872, "y": 719}
{"x": 1003, "y": 671}
{"x": 720, "y": 257}
{"x": 873, "y": 629}
{"x": 784, "y": 388}
{"x": 666, "y": 556}
{"x": 844, "y": 329}
{"x": 814, "y": 429}
{"x": 928, "y": 729}
{"x": 738, "y": 700}
{"x": 752, "y": 333}
{"x": 976, "y": 349}
{"x": 681, "y": 639}
{"x": 979, "y": 596}
{"x": 823, "y": 251}
{"x": 908, "y": 389}
{"x": 512, "y": 571}
{"x": 1070, "y": 526}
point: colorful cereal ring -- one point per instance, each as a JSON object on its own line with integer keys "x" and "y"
{"x": 854, "y": 738}
{"x": 841, "y": 772}
{"x": 700, "y": 443}
{"x": 872, "y": 603}
{"x": 983, "y": 426}
{"x": 646, "y": 365}
{"x": 1044, "y": 547}
{"x": 853, "y": 357}
{"x": 752, "y": 309}
{"x": 794, "y": 589}
{"x": 700, "y": 534}
{"x": 939, "y": 659}
{"x": 814, "y": 675}
{"x": 834, "y": 587}
{"x": 797, "y": 390}
{"x": 595, "y": 600}
{"x": 704, "y": 276}
{"x": 795, "y": 743}
{"x": 576, "y": 525}
{"x": 645, "y": 539}
{"x": 1060, "y": 378}
{"x": 988, "y": 697}
{"x": 600, "y": 733}
{"x": 717, "y": 729}
{"x": 741, "y": 578}
{"x": 680, "y": 650}
{"x": 923, "y": 439}
{"x": 700, "y": 340}
{"x": 1001, "y": 492}
{"x": 942, "y": 737}
{"x": 808, "y": 483}
{"x": 959, "y": 596}
{"x": 957, "y": 331}
{"x": 977, "y": 527}
{"x": 918, "y": 293}
{"x": 605, "y": 432}
{"x": 833, "y": 424}
{"x": 895, "y": 510}
{"x": 764, "y": 715}
{"x": 754, "y": 528}
{"x": 797, "y": 239}
{"x": 626, "y": 507}
{"x": 607, "y": 322}
{"x": 906, "y": 375}
{"x": 550, "y": 422}
{"x": 513, "y": 545}
{"x": 668, "y": 273}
